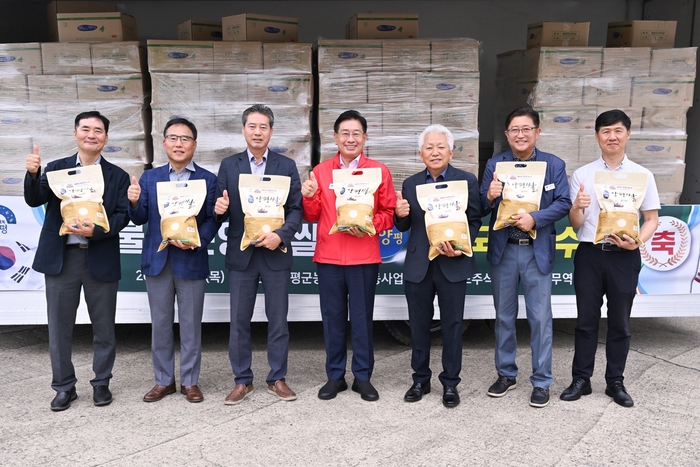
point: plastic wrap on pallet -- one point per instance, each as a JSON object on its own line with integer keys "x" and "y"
{"x": 117, "y": 58}
{"x": 180, "y": 56}
{"x": 562, "y": 62}
{"x": 645, "y": 149}
{"x": 127, "y": 87}
{"x": 291, "y": 58}
{"x": 626, "y": 62}
{"x": 664, "y": 120}
{"x": 342, "y": 88}
{"x": 22, "y": 59}
{"x": 223, "y": 89}
{"x": 564, "y": 146}
{"x": 611, "y": 92}
{"x": 401, "y": 55}
{"x": 280, "y": 89}
{"x": 237, "y": 57}
{"x": 349, "y": 55}
{"x": 551, "y": 92}
{"x": 173, "y": 88}
{"x": 291, "y": 120}
{"x": 674, "y": 62}
{"x": 66, "y": 58}
{"x": 457, "y": 55}
{"x": 556, "y": 120}
{"x": 663, "y": 92}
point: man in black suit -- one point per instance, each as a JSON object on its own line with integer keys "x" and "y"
{"x": 86, "y": 258}
{"x": 269, "y": 260}
{"x": 445, "y": 275}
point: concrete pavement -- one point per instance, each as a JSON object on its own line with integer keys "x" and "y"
{"x": 663, "y": 428}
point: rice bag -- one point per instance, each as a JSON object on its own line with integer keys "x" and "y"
{"x": 354, "y": 198}
{"x": 80, "y": 190}
{"x": 262, "y": 201}
{"x": 522, "y": 191}
{"x": 178, "y": 204}
{"x": 619, "y": 194}
{"x": 445, "y": 205}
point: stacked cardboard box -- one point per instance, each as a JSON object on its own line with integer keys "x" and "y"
{"x": 212, "y": 83}
{"x": 400, "y": 87}
{"x": 570, "y": 86}
{"x": 44, "y": 86}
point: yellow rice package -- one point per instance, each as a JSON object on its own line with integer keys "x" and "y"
{"x": 80, "y": 190}
{"x": 445, "y": 206}
{"x": 522, "y": 191}
{"x": 620, "y": 194}
{"x": 178, "y": 204}
{"x": 354, "y": 198}
{"x": 262, "y": 201}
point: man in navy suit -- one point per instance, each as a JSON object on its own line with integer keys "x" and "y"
{"x": 516, "y": 259}
{"x": 86, "y": 258}
{"x": 445, "y": 275}
{"x": 269, "y": 260}
{"x": 180, "y": 270}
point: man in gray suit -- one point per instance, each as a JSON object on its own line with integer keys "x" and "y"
{"x": 265, "y": 261}
{"x": 446, "y": 275}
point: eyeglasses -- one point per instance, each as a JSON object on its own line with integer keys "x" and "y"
{"x": 355, "y": 135}
{"x": 516, "y": 131}
{"x": 184, "y": 138}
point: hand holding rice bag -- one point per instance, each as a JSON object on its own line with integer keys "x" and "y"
{"x": 522, "y": 191}
{"x": 262, "y": 200}
{"x": 178, "y": 205}
{"x": 619, "y": 194}
{"x": 445, "y": 205}
{"x": 80, "y": 190}
{"x": 354, "y": 198}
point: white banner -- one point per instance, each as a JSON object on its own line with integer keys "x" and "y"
{"x": 20, "y": 226}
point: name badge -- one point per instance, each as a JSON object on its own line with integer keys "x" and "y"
{"x": 549, "y": 187}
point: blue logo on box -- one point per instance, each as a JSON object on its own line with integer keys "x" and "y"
{"x": 662, "y": 91}
{"x": 445, "y": 86}
{"x": 271, "y": 30}
{"x": 216, "y": 34}
{"x": 569, "y": 61}
{"x": 7, "y": 58}
{"x": 10, "y": 121}
{"x": 107, "y": 88}
{"x": 87, "y": 27}
{"x": 178, "y": 55}
{"x": 277, "y": 88}
{"x": 347, "y": 55}
{"x": 654, "y": 148}
{"x": 385, "y": 27}
{"x": 280, "y": 150}
{"x": 12, "y": 181}
{"x": 562, "y": 119}
{"x": 112, "y": 149}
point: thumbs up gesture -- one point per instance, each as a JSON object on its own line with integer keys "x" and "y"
{"x": 221, "y": 205}
{"x": 495, "y": 188}
{"x": 309, "y": 188}
{"x": 33, "y": 162}
{"x": 134, "y": 192}
{"x": 583, "y": 199}
{"x": 403, "y": 209}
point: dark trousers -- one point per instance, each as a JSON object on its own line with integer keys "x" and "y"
{"x": 612, "y": 274}
{"x": 420, "y": 298}
{"x": 343, "y": 291}
{"x": 62, "y": 300}
{"x": 243, "y": 292}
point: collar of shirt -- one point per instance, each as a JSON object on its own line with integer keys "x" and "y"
{"x": 255, "y": 168}
{"x": 80, "y": 164}
{"x": 532, "y": 158}
{"x": 183, "y": 175}
{"x": 429, "y": 177}
{"x": 353, "y": 163}
{"x": 607, "y": 167}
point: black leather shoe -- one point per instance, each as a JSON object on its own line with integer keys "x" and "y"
{"x": 366, "y": 390}
{"x": 415, "y": 393}
{"x": 332, "y": 388}
{"x": 539, "y": 397}
{"x": 579, "y": 387}
{"x": 63, "y": 399}
{"x": 619, "y": 394}
{"x": 102, "y": 396}
{"x": 450, "y": 397}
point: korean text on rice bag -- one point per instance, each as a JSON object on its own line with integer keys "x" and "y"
{"x": 445, "y": 207}
{"x": 262, "y": 201}
{"x": 178, "y": 204}
{"x": 619, "y": 194}
{"x": 522, "y": 191}
{"x": 80, "y": 191}
{"x": 354, "y": 198}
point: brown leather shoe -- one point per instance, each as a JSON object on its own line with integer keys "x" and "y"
{"x": 193, "y": 393}
{"x": 158, "y": 392}
{"x": 281, "y": 390}
{"x": 239, "y": 393}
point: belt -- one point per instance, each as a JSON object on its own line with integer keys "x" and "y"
{"x": 520, "y": 241}
{"x": 82, "y": 246}
{"x": 607, "y": 247}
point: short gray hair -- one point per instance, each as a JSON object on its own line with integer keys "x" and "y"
{"x": 439, "y": 129}
{"x": 259, "y": 109}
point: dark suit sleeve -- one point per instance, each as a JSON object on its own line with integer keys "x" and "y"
{"x": 293, "y": 210}
{"x": 36, "y": 190}
{"x": 139, "y": 215}
{"x": 403, "y": 224}
{"x": 486, "y": 208}
{"x": 473, "y": 207}
{"x": 210, "y": 225}
{"x": 221, "y": 185}
{"x": 562, "y": 203}
{"x": 119, "y": 218}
